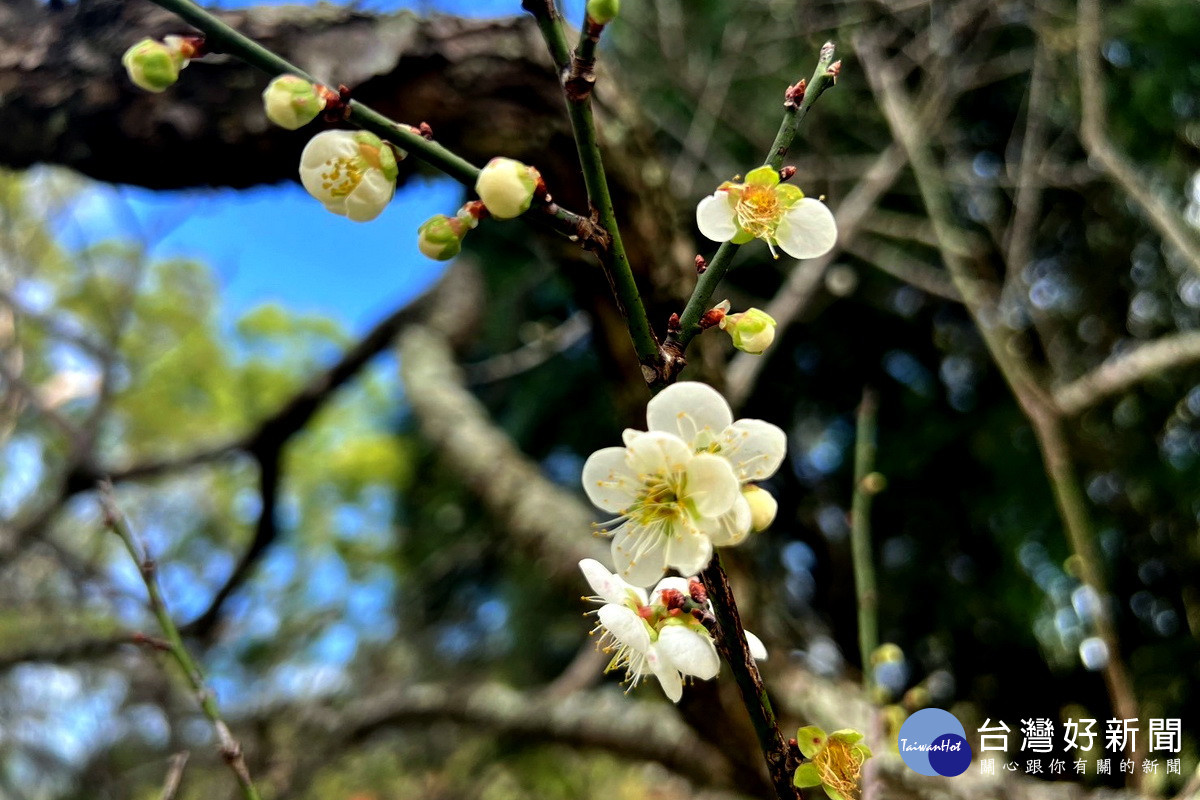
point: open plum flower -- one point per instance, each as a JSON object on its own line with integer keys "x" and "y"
{"x": 659, "y": 635}
{"x": 677, "y": 488}
{"x": 763, "y": 208}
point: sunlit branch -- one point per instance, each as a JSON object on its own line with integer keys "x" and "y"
{"x": 231, "y": 750}
{"x": 577, "y": 73}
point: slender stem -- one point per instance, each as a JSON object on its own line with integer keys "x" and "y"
{"x": 731, "y": 642}
{"x": 231, "y": 750}
{"x": 706, "y": 285}
{"x": 577, "y": 73}
{"x": 865, "y": 488}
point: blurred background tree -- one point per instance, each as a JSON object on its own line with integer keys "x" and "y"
{"x": 374, "y": 560}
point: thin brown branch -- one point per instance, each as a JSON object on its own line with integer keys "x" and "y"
{"x": 230, "y": 748}
{"x": 1125, "y": 371}
{"x": 904, "y": 267}
{"x": 174, "y": 777}
{"x": 735, "y": 650}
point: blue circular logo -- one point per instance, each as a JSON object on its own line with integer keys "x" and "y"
{"x": 933, "y": 742}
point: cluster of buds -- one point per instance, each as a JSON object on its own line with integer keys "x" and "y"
{"x": 440, "y": 237}
{"x": 154, "y": 65}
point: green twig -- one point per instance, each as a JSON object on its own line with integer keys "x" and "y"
{"x": 731, "y": 642}
{"x": 231, "y": 750}
{"x": 221, "y": 38}
{"x": 706, "y": 285}
{"x": 865, "y": 489}
{"x": 577, "y": 73}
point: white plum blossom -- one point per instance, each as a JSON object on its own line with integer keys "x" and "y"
{"x": 763, "y": 208}
{"x": 659, "y": 635}
{"x": 352, "y": 173}
{"x": 677, "y": 488}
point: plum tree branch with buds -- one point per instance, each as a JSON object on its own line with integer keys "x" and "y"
{"x": 689, "y": 482}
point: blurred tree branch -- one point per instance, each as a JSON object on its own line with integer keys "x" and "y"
{"x": 1093, "y": 130}
{"x": 1045, "y": 417}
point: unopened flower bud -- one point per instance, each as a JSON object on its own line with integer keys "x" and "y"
{"x": 752, "y": 331}
{"x": 763, "y": 507}
{"x": 603, "y": 12}
{"x": 292, "y": 102}
{"x": 506, "y": 187}
{"x": 153, "y": 65}
{"x": 440, "y": 237}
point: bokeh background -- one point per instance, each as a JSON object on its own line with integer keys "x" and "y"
{"x": 314, "y": 428}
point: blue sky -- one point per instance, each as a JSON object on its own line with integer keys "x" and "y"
{"x": 276, "y": 244}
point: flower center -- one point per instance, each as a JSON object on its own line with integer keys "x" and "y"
{"x": 342, "y": 177}
{"x": 659, "y": 500}
{"x": 758, "y": 210}
{"x": 839, "y": 767}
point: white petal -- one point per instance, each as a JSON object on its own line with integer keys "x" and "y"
{"x": 639, "y": 567}
{"x": 694, "y": 411}
{"x": 625, "y": 626}
{"x": 690, "y": 652}
{"x": 326, "y": 146}
{"x": 608, "y": 481}
{"x": 714, "y": 217}
{"x": 757, "y": 649}
{"x": 807, "y": 230}
{"x": 755, "y": 448}
{"x": 607, "y": 585}
{"x": 678, "y": 584}
{"x": 712, "y": 486}
{"x": 668, "y": 676}
{"x": 689, "y": 552}
{"x": 730, "y": 528}
{"x": 629, "y": 434}
{"x": 657, "y": 453}
{"x": 371, "y": 197}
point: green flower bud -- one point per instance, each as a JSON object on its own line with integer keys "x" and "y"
{"x": 752, "y": 331}
{"x": 440, "y": 237}
{"x": 292, "y": 102}
{"x": 603, "y": 12}
{"x": 763, "y": 507}
{"x": 506, "y": 187}
{"x": 153, "y": 65}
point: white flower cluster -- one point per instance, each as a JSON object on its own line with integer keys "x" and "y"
{"x": 659, "y": 635}
{"x": 678, "y": 489}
